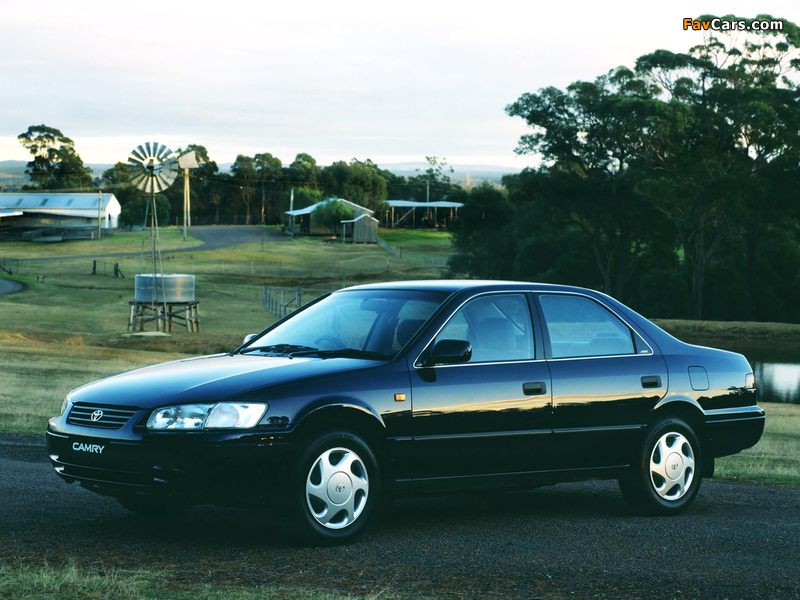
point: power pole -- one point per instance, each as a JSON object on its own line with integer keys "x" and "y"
{"x": 99, "y": 213}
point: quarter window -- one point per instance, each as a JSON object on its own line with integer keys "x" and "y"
{"x": 497, "y": 326}
{"x": 579, "y": 326}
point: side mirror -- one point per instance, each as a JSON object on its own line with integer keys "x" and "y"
{"x": 249, "y": 337}
{"x": 450, "y": 352}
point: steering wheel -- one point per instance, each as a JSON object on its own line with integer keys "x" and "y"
{"x": 334, "y": 341}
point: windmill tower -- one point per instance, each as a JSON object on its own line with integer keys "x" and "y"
{"x": 153, "y": 168}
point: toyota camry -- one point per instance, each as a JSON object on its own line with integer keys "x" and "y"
{"x": 408, "y": 388}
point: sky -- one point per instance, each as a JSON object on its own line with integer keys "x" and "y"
{"x": 389, "y": 81}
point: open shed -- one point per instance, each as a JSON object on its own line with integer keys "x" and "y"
{"x": 404, "y": 212}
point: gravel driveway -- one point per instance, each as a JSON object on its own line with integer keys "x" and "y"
{"x": 572, "y": 540}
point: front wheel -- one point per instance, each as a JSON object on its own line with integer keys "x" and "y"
{"x": 336, "y": 489}
{"x": 667, "y": 475}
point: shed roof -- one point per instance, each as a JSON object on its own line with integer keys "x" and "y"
{"x": 49, "y": 200}
{"x": 411, "y": 204}
{"x": 359, "y": 217}
{"x": 309, "y": 209}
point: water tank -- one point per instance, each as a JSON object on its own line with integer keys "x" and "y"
{"x": 164, "y": 288}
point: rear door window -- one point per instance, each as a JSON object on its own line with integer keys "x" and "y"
{"x": 579, "y": 326}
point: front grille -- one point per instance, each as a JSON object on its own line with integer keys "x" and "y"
{"x": 100, "y": 416}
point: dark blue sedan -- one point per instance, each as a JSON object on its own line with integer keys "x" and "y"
{"x": 412, "y": 387}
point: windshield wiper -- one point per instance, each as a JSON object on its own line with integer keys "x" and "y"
{"x": 343, "y": 353}
{"x": 279, "y": 349}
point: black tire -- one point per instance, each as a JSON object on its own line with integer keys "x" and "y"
{"x": 154, "y": 506}
{"x": 335, "y": 489}
{"x": 668, "y": 470}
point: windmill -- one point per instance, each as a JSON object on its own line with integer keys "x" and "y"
{"x": 152, "y": 168}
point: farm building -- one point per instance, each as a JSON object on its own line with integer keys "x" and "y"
{"x": 404, "y": 212}
{"x": 54, "y": 217}
{"x": 361, "y": 230}
{"x": 301, "y": 221}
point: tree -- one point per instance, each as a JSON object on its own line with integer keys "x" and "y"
{"x": 587, "y": 137}
{"x": 133, "y": 215}
{"x": 433, "y": 183}
{"x": 245, "y": 176}
{"x": 479, "y": 234}
{"x": 359, "y": 182}
{"x": 729, "y": 121}
{"x": 331, "y": 213}
{"x": 304, "y": 197}
{"x": 117, "y": 180}
{"x": 699, "y": 137}
{"x": 55, "y": 164}
{"x": 303, "y": 172}
{"x": 270, "y": 175}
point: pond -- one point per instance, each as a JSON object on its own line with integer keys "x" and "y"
{"x": 777, "y": 375}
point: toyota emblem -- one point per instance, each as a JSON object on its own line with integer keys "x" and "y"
{"x": 97, "y": 415}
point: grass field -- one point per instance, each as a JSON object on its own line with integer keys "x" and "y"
{"x": 121, "y": 241}
{"x": 734, "y": 335}
{"x": 70, "y": 583}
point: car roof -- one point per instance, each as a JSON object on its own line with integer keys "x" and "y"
{"x": 458, "y": 285}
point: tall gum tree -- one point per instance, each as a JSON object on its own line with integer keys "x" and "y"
{"x": 55, "y": 164}
{"x": 726, "y": 131}
{"x": 589, "y": 139}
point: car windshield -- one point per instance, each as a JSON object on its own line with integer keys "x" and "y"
{"x": 373, "y": 324}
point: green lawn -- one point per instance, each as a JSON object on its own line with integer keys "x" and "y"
{"x": 122, "y": 241}
{"x": 776, "y": 458}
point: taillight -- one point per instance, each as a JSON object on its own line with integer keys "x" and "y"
{"x": 750, "y": 381}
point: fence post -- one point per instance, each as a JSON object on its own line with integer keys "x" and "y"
{"x": 94, "y": 265}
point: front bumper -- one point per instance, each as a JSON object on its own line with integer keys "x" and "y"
{"x": 230, "y": 468}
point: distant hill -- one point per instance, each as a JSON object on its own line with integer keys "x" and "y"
{"x": 12, "y": 174}
{"x": 13, "y": 177}
{"x": 476, "y": 173}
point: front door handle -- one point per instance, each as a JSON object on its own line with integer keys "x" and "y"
{"x": 534, "y": 388}
{"x": 651, "y": 381}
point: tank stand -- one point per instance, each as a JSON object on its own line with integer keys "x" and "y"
{"x": 165, "y": 315}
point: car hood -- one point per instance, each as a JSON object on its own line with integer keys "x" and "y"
{"x": 206, "y": 379}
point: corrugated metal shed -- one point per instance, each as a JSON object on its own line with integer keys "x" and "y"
{"x": 35, "y": 209}
{"x": 361, "y": 230}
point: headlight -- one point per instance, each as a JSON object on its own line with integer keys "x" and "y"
{"x": 65, "y": 406}
{"x": 193, "y": 417}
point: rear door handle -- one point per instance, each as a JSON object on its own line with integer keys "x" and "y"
{"x": 651, "y": 381}
{"x": 534, "y": 388}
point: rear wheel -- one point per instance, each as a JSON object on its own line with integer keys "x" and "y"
{"x": 667, "y": 475}
{"x": 335, "y": 489}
